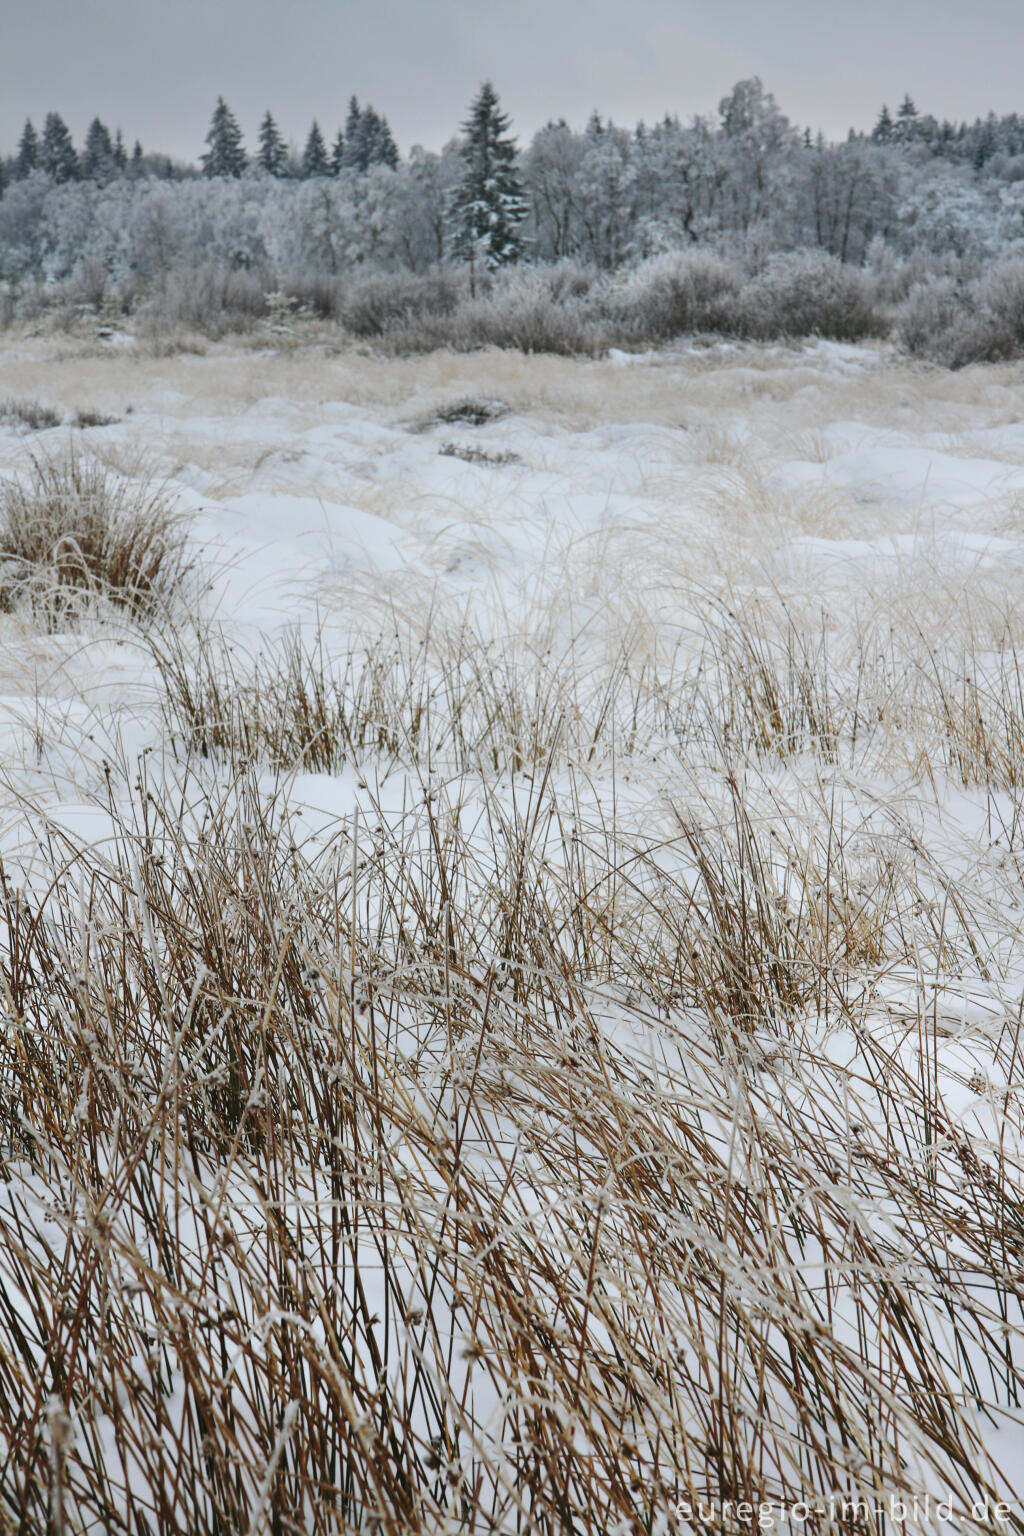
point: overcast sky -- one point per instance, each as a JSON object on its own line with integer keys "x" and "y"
{"x": 156, "y": 67}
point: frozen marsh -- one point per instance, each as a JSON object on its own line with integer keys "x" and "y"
{"x": 512, "y": 941}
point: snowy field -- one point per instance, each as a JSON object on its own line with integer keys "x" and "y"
{"x": 514, "y": 971}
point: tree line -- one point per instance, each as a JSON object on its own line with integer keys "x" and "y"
{"x": 744, "y": 182}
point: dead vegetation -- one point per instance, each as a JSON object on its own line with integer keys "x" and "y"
{"x": 76, "y": 533}
{"x": 588, "y": 1119}
{"x": 28, "y": 414}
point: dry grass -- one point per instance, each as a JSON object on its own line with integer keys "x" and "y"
{"x": 348, "y": 1189}
{"x": 28, "y": 414}
{"x": 609, "y": 1105}
{"x": 76, "y": 533}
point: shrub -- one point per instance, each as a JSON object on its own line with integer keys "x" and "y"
{"x": 809, "y": 293}
{"x": 525, "y": 310}
{"x": 674, "y": 295}
{"x": 999, "y": 295}
{"x": 318, "y": 293}
{"x": 77, "y": 531}
{"x": 942, "y": 322}
{"x": 392, "y": 301}
{"x": 213, "y": 300}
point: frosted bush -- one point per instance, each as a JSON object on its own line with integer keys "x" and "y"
{"x": 385, "y": 301}
{"x": 676, "y": 294}
{"x": 809, "y": 293}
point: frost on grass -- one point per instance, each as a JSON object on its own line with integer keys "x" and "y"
{"x": 538, "y": 1050}
{"x": 77, "y": 531}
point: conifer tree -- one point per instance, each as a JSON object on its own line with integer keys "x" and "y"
{"x": 379, "y": 147}
{"x": 882, "y": 131}
{"x": 314, "y": 156}
{"x": 906, "y": 120}
{"x": 338, "y": 154}
{"x": 226, "y": 155}
{"x": 387, "y": 148}
{"x": 27, "y": 158}
{"x": 56, "y": 151}
{"x": 367, "y": 139}
{"x": 120, "y": 153}
{"x": 272, "y": 156}
{"x": 98, "y": 153}
{"x": 352, "y": 152}
{"x": 488, "y": 206}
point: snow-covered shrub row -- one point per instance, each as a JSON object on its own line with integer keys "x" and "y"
{"x": 799, "y": 293}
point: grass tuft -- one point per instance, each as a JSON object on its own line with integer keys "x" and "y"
{"x": 76, "y": 532}
{"x": 28, "y": 414}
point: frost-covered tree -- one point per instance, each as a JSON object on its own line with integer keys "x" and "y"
{"x": 606, "y": 189}
{"x": 677, "y": 195}
{"x": 758, "y": 145}
{"x": 56, "y": 151}
{"x": 226, "y": 154}
{"x": 488, "y": 205}
{"x": 424, "y": 187}
{"x": 272, "y": 156}
{"x": 27, "y": 157}
{"x": 551, "y": 168}
{"x": 847, "y": 197}
{"x": 314, "y": 157}
{"x": 98, "y": 163}
{"x": 22, "y": 225}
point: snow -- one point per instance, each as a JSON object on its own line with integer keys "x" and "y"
{"x": 654, "y": 500}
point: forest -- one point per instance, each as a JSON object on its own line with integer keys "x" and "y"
{"x": 739, "y": 224}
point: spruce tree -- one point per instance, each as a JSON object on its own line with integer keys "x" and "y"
{"x": 314, "y": 156}
{"x": 378, "y": 146}
{"x": 905, "y": 126}
{"x": 338, "y": 154}
{"x": 27, "y": 158}
{"x": 882, "y": 131}
{"x": 56, "y": 151}
{"x": 272, "y": 155}
{"x": 120, "y": 153}
{"x": 98, "y": 154}
{"x": 488, "y": 206}
{"x": 226, "y": 155}
{"x": 367, "y": 140}
{"x": 352, "y": 154}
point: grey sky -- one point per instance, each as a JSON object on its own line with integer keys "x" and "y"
{"x": 155, "y": 67}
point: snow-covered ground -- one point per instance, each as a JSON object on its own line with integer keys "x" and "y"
{"x": 695, "y": 674}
